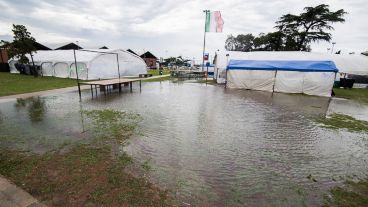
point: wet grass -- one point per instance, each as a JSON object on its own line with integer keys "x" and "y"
{"x": 107, "y": 125}
{"x": 157, "y": 72}
{"x": 341, "y": 121}
{"x": 159, "y": 79}
{"x": 353, "y": 194}
{"x": 211, "y": 82}
{"x": 11, "y": 84}
{"x": 89, "y": 174}
{"x": 359, "y": 94}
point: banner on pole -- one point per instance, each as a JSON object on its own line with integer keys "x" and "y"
{"x": 214, "y": 22}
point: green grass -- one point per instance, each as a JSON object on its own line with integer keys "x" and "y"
{"x": 352, "y": 194}
{"x": 11, "y": 84}
{"x": 359, "y": 94}
{"x": 341, "y": 121}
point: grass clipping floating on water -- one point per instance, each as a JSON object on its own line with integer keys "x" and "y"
{"x": 87, "y": 174}
{"x": 341, "y": 121}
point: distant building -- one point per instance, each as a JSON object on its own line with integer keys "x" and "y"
{"x": 4, "y": 66}
{"x": 69, "y": 46}
{"x": 3, "y": 56}
{"x": 150, "y": 60}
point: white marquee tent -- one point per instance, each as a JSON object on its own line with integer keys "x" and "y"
{"x": 90, "y": 65}
{"x": 351, "y": 64}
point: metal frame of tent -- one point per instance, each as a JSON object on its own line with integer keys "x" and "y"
{"x": 100, "y": 52}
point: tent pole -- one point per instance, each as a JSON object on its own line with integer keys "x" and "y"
{"x": 117, "y": 60}
{"x": 274, "y": 82}
{"x": 226, "y": 79}
{"x": 76, "y": 72}
{"x": 204, "y": 39}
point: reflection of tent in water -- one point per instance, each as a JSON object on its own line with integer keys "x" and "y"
{"x": 257, "y": 70}
{"x": 308, "y": 105}
{"x": 91, "y": 65}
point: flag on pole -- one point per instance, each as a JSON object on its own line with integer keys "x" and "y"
{"x": 214, "y": 22}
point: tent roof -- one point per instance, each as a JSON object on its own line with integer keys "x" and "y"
{"x": 131, "y": 51}
{"x": 353, "y": 64}
{"x": 68, "y": 55}
{"x": 294, "y": 65}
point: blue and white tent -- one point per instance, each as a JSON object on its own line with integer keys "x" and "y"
{"x": 309, "y": 77}
{"x": 289, "y": 72}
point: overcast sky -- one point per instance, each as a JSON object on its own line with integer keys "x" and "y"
{"x": 169, "y": 27}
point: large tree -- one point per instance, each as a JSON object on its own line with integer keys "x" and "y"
{"x": 22, "y": 44}
{"x": 294, "y": 32}
{"x": 240, "y": 43}
{"x": 311, "y": 25}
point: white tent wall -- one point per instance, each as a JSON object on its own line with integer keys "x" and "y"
{"x": 104, "y": 66}
{"x": 47, "y": 69}
{"x": 61, "y": 70}
{"x": 310, "y": 83}
{"x": 289, "y": 82}
{"x": 130, "y": 64}
{"x": 318, "y": 83}
{"x": 82, "y": 71}
{"x": 262, "y": 80}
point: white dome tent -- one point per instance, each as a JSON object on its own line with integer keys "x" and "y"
{"x": 91, "y": 64}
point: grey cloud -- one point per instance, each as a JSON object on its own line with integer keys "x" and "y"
{"x": 173, "y": 25}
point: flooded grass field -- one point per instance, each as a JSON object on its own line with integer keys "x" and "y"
{"x": 210, "y": 146}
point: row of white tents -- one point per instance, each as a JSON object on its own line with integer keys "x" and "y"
{"x": 91, "y": 64}
{"x": 289, "y": 72}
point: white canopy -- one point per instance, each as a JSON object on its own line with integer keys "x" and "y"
{"x": 91, "y": 65}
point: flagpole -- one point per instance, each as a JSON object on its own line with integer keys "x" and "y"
{"x": 204, "y": 39}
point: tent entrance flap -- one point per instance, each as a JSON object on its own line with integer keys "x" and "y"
{"x": 283, "y": 65}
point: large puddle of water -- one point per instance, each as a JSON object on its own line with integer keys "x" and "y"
{"x": 207, "y": 145}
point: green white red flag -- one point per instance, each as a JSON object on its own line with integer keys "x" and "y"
{"x": 214, "y": 22}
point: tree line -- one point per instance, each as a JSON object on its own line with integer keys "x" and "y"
{"x": 293, "y": 32}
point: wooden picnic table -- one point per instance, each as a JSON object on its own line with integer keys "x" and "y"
{"x": 105, "y": 85}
